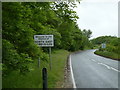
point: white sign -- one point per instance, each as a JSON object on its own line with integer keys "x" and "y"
{"x": 44, "y": 40}
{"x": 103, "y": 45}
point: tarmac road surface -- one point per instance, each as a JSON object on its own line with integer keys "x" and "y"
{"x": 93, "y": 71}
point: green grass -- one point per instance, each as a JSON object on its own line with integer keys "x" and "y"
{"x": 33, "y": 79}
{"x": 107, "y": 54}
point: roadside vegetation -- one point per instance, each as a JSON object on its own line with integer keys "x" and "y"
{"x": 20, "y": 22}
{"x": 33, "y": 79}
{"x": 112, "y": 49}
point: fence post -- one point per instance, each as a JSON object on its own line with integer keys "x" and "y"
{"x": 50, "y": 58}
{"x": 38, "y": 62}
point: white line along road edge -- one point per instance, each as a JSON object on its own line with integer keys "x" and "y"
{"x": 71, "y": 71}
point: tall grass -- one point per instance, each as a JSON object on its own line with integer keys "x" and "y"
{"x": 107, "y": 54}
{"x": 33, "y": 79}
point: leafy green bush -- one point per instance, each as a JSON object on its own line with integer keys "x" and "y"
{"x": 12, "y": 60}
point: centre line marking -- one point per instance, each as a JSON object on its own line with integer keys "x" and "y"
{"x": 109, "y": 67}
{"x": 105, "y": 65}
{"x": 115, "y": 69}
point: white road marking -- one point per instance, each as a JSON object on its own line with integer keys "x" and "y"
{"x": 73, "y": 80}
{"x": 109, "y": 67}
{"x": 105, "y": 65}
{"x": 93, "y": 60}
{"x": 115, "y": 69}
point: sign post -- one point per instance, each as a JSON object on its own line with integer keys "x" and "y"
{"x": 50, "y": 58}
{"x": 45, "y": 41}
{"x": 39, "y": 62}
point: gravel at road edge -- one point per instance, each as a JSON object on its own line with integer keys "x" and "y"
{"x": 67, "y": 75}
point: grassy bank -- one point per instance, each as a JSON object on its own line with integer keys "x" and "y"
{"x": 33, "y": 79}
{"x": 107, "y": 54}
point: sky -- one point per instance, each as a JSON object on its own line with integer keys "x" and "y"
{"x": 100, "y": 16}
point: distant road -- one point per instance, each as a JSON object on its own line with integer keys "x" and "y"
{"x": 93, "y": 71}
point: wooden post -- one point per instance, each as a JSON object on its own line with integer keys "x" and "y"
{"x": 38, "y": 62}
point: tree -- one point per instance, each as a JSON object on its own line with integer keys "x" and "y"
{"x": 87, "y": 33}
{"x": 21, "y": 21}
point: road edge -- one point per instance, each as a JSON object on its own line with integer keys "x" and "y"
{"x": 69, "y": 81}
{"x": 71, "y": 72}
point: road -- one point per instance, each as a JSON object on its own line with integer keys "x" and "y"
{"x": 93, "y": 71}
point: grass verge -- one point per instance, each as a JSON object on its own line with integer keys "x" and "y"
{"x": 107, "y": 54}
{"x": 33, "y": 79}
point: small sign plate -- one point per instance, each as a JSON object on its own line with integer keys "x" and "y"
{"x": 103, "y": 45}
{"x": 44, "y": 40}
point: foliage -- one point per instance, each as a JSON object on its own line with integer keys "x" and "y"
{"x": 87, "y": 33}
{"x": 112, "y": 45}
{"x": 107, "y": 54}
{"x": 33, "y": 79}
{"x": 23, "y": 20}
{"x": 102, "y": 39}
{"x": 12, "y": 60}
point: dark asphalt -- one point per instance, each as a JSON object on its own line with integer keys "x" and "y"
{"x": 93, "y": 71}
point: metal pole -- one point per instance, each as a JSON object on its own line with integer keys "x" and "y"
{"x": 50, "y": 58}
{"x": 44, "y": 76}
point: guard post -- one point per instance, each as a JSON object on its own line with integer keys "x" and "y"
{"x": 44, "y": 77}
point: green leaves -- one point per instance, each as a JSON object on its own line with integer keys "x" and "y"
{"x": 10, "y": 56}
{"x": 12, "y": 60}
{"x": 21, "y": 21}
{"x": 87, "y": 33}
{"x": 112, "y": 43}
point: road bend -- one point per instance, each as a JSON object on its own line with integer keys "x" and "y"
{"x": 93, "y": 71}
